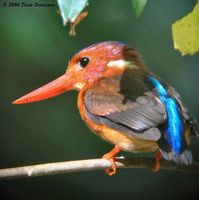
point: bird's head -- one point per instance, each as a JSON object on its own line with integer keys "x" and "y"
{"x": 86, "y": 67}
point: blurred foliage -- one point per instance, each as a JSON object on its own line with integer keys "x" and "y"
{"x": 71, "y": 11}
{"x": 186, "y": 32}
{"x": 138, "y": 6}
{"x": 35, "y": 49}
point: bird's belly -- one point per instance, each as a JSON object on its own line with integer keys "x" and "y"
{"x": 126, "y": 142}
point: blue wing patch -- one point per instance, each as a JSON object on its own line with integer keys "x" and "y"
{"x": 174, "y": 130}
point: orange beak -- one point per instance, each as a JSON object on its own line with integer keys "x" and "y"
{"x": 60, "y": 85}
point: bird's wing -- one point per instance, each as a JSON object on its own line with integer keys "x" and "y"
{"x": 190, "y": 121}
{"x": 125, "y": 103}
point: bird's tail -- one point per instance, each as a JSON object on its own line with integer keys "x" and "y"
{"x": 184, "y": 158}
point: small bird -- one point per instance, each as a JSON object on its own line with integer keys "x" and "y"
{"x": 124, "y": 103}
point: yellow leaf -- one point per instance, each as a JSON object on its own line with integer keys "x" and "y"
{"x": 186, "y": 33}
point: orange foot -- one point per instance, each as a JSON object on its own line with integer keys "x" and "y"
{"x": 156, "y": 166}
{"x": 110, "y": 156}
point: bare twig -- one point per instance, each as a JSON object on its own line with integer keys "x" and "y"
{"x": 90, "y": 165}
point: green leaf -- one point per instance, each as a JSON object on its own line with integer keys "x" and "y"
{"x": 70, "y": 9}
{"x": 138, "y": 6}
{"x": 186, "y": 33}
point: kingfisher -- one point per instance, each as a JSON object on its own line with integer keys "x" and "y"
{"x": 124, "y": 103}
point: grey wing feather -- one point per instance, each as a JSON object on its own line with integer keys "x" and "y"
{"x": 143, "y": 118}
{"x": 150, "y": 134}
{"x": 139, "y": 118}
{"x": 145, "y": 113}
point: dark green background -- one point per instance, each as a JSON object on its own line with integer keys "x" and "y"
{"x": 35, "y": 48}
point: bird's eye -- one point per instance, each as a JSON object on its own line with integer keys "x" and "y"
{"x": 84, "y": 61}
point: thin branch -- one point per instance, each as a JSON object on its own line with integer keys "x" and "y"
{"x": 90, "y": 165}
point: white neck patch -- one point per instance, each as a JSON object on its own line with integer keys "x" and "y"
{"x": 121, "y": 64}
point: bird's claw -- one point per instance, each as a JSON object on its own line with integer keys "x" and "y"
{"x": 112, "y": 171}
{"x": 110, "y": 156}
{"x": 156, "y": 166}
